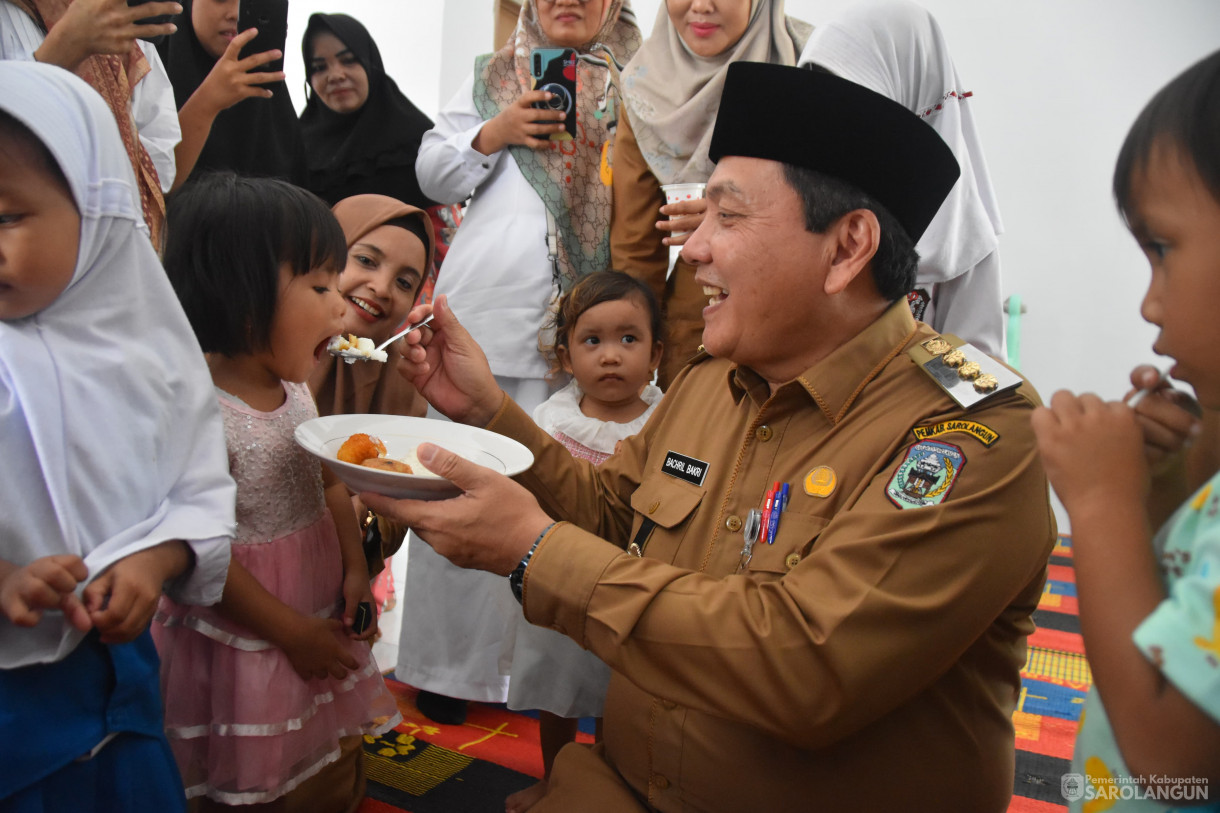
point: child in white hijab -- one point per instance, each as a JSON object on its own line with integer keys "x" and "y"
{"x": 114, "y": 479}
{"x": 896, "y": 48}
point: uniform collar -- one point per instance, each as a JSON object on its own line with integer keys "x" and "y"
{"x": 835, "y": 381}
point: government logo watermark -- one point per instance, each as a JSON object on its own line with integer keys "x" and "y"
{"x": 1078, "y": 787}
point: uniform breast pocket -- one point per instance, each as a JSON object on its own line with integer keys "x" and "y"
{"x": 793, "y": 540}
{"x": 666, "y": 504}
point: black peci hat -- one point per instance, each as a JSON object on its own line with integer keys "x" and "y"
{"x": 831, "y": 125}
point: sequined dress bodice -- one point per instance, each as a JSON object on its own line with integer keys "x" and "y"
{"x": 281, "y": 483}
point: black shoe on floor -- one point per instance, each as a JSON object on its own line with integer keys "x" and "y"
{"x": 441, "y": 709}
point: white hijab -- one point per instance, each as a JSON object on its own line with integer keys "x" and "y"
{"x": 110, "y": 436}
{"x": 673, "y": 93}
{"x": 896, "y": 48}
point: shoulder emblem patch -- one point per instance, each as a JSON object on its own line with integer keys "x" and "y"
{"x": 984, "y": 434}
{"x": 926, "y": 474}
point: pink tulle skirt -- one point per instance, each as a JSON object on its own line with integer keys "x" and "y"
{"x": 244, "y": 727}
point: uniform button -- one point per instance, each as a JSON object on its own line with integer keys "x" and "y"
{"x": 652, "y": 509}
{"x": 661, "y": 782}
{"x": 792, "y": 561}
{"x": 733, "y": 523}
{"x": 764, "y": 433}
{"x": 669, "y": 705}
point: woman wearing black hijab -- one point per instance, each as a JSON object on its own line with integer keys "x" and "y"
{"x": 361, "y": 133}
{"x": 258, "y": 135}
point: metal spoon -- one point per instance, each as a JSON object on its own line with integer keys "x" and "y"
{"x": 1161, "y": 380}
{"x": 351, "y": 356}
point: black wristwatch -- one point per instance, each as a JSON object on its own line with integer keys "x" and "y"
{"x": 516, "y": 579}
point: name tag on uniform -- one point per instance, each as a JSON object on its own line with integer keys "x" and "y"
{"x": 685, "y": 468}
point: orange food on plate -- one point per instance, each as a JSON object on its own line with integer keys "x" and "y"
{"x": 387, "y": 464}
{"x": 359, "y": 448}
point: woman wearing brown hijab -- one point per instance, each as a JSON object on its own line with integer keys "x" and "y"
{"x": 389, "y": 253}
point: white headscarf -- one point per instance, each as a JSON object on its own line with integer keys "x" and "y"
{"x": 896, "y": 48}
{"x": 110, "y": 436}
{"x": 673, "y": 93}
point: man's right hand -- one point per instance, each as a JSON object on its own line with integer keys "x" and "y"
{"x": 91, "y": 27}
{"x": 444, "y": 362}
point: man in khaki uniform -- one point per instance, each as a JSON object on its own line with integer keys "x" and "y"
{"x": 863, "y": 654}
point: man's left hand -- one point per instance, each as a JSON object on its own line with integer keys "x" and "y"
{"x": 490, "y": 526}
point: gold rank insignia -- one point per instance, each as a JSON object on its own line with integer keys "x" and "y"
{"x": 957, "y": 370}
{"x": 821, "y": 482}
{"x": 937, "y": 346}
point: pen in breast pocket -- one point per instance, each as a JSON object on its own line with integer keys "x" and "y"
{"x": 768, "y": 506}
{"x": 780, "y": 502}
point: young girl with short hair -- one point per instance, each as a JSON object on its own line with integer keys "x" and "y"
{"x": 1149, "y": 604}
{"x": 114, "y": 479}
{"x": 607, "y": 337}
{"x": 268, "y": 695}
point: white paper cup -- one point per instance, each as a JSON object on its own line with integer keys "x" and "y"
{"x": 678, "y": 192}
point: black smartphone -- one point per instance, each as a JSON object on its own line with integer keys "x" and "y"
{"x": 270, "y": 17}
{"x": 363, "y": 619}
{"x": 554, "y": 70}
{"x": 158, "y": 20}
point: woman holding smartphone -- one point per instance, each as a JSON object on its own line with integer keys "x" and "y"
{"x": 233, "y": 116}
{"x": 108, "y": 44}
{"x": 491, "y": 139}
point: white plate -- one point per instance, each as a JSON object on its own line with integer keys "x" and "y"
{"x": 322, "y": 437}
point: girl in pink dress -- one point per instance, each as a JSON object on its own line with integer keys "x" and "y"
{"x": 268, "y": 693}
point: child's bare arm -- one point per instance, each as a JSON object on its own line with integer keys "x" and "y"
{"x": 312, "y": 644}
{"x": 44, "y": 584}
{"x": 356, "y": 586}
{"x": 1094, "y": 457}
{"x": 122, "y": 600}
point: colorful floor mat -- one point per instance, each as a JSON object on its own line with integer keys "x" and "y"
{"x": 424, "y": 767}
{"x": 1054, "y": 683}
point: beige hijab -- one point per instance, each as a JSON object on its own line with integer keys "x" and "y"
{"x": 673, "y": 94}
{"x": 368, "y": 387}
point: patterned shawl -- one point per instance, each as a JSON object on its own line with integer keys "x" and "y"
{"x": 114, "y": 77}
{"x": 567, "y": 176}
